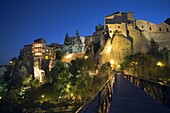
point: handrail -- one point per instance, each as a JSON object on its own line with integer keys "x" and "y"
{"x": 160, "y": 92}
{"x": 100, "y": 102}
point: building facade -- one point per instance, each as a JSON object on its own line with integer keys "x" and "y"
{"x": 137, "y": 32}
{"x": 39, "y": 50}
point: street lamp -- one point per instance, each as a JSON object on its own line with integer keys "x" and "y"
{"x": 160, "y": 64}
{"x": 42, "y": 96}
{"x": 86, "y": 57}
{"x": 112, "y": 63}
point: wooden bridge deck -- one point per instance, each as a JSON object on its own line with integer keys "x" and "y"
{"x": 127, "y": 98}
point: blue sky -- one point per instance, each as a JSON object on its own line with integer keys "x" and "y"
{"x": 23, "y": 21}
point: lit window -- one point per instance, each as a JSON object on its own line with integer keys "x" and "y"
{"x": 37, "y": 54}
{"x": 47, "y": 50}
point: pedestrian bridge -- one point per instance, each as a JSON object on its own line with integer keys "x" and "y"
{"x": 128, "y": 94}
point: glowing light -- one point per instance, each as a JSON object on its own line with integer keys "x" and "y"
{"x": 38, "y": 54}
{"x": 46, "y": 57}
{"x": 112, "y": 61}
{"x": 59, "y": 97}
{"x": 86, "y": 57}
{"x": 118, "y": 66}
{"x": 0, "y": 97}
{"x": 42, "y": 96}
{"x": 109, "y": 49}
{"x": 39, "y": 73}
{"x": 69, "y": 56}
{"x": 10, "y": 62}
{"x": 71, "y": 94}
{"x": 160, "y": 64}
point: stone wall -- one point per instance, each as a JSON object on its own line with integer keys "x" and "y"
{"x": 144, "y": 25}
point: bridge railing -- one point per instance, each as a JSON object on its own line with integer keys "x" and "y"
{"x": 101, "y": 101}
{"x": 158, "y": 91}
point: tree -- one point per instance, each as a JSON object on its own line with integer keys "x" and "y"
{"x": 154, "y": 49}
{"x": 67, "y": 41}
{"x": 61, "y": 78}
{"x": 77, "y": 33}
{"x": 59, "y": 54}
{"x": 165, "y": 55}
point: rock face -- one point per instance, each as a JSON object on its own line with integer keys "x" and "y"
{"x": 23, "y": 67}
{"x": 39, "y": 74}
{"x": 116, "y": 49}
{"x": 5, "y": 70}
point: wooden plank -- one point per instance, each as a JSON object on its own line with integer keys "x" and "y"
{"x": 127, "y": 98}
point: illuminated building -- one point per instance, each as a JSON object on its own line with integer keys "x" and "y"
{"x": 38, "y": 49}
{"x": 50, "y": 51}
{"x": 140, "y": 31}
{"x": 129, "y": 36}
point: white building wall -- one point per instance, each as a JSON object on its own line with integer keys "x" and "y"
{"x": 119, "y": 27}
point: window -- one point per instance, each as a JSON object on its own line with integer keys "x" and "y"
{"x": 150, "y": 28}
{"x": 118, "y": 26}
{"x": 142, "y": 26}
{"x": 160, "y": 29}
{"x": 110, "y": 31}
{"x": 37, "y": 54}
{"x": 167, "y": 29}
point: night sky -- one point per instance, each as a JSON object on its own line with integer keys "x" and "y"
{"x": 23, "y": 21}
